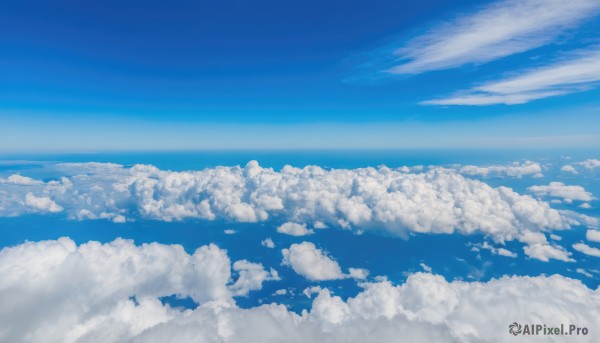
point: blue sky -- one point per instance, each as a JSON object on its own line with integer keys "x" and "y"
{"x": 299, "y": 171}
{"x": 129, "y": 75}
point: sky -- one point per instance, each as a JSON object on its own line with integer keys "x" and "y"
{"x": 187, "y": 75}
{"x": 299, "y": 171}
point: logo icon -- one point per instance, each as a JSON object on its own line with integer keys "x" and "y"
{"x": 514, "y": 328}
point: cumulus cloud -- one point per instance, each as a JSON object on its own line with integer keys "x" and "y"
{"x": 569, "y": 169}
{"x": 17, "y": 179}
{"x": 494, "y": 250}
{"x": 268, "y": 243}
{"x": 560, "y": 190}
{"x": 439, "y": 200}
{"x": 586, "y": 249}
{"x": 310, "y": 291}
{"x": 593, "y": 236}
{"x": 251, "y": 277}
{"x": 312, "y": 263}
{"x": 590, "y": 164}
{"x": 294, "y": 229}
{"x": 516, "y": 169}
{"x": 498, "y": 30}
{"x": 575, "y": 74}
{"x": 41, "y": 204}
{"x": 56, "y": 291}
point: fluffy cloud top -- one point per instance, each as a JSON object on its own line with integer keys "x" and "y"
{"x": 560, "y": 190}
{"x": 312, "y": 263}
{"x": 590, "y": 164}
{"x": 586, "y": 249}
{"x": 398, "y": 202}
{"x": 516, "y": 169}
{"x": 55, "y": 291}
{"x": 294, "y": 229}
{"x": 437, "y": 201}
{"x": 593, "y": 235}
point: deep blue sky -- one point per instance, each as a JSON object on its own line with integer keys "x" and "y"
{"x": 127, "y": 75}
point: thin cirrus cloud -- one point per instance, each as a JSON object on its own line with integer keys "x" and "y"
{"x": 498, "y": 30}
{"x": 578, "y": 73}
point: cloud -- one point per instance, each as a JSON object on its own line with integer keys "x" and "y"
{"x": 545, "y": 252}
{"x": 358, "y": 273}
{"x": 583, "y": 272}
{"x": 309, "y": 261}
{"x": 395, "y": 202}
{"x": 516, "y": 169}
{"x": 586, "y": 249}
{"x": 294, "y": 229}
{"x": 41, "y": 204}
{"x": 310, "y": 291}
{"x": 560, "y": 190}
{"x": 425, "y": 267}
{"x": 575, "y": 74}
{"x": 593, "y": 236}
{"x": 569, "y": 169}
{"x": 17, "y": 179}
{"x": 498, "y": 30}
{"x": 268, "y": 243}
{"x": 55, "y": 291}
{"x": 251, "y": 277}
{"x": 590, "y": 164}
{"x": 496, "y": 251}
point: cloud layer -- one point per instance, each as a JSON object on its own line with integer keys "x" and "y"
{"x": 394, "y": 201}
{"x": 55, "y": 291}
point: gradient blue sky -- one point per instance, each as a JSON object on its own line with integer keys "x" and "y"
{"x": 154, "y": 75}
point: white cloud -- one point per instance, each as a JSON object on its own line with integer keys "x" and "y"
{"x": 55, "y": 291}
{"x": 498, "y": 30}
{"x": 282, "y": 291}
{"x": 585, "y": 205}
{"x": 496, "y": 251}
{"x": 516, "y": 169}
{"x": 41, "y": 204}
{"x": 229, "y": 232}
{"x": 576, "y": 74}
{"x": 590, "y": 164}
{"x": 586, "y": 249}
{"x": 545, "y": 252}
{"x": 294, "y": 229}
{"x": 310, "y": 291}
{"x": 426, "y": 308}
{"x": 358, "y": 273}
{"x": 251, "y": 277}
{"x": 593, "y": 236}
{"x": 268, "y": 243}
{"x": 425, "y": 267}
{"x": 439, "y": 200}
{"x": 569, "y": 169}
{"x": 17, "y": 179}
{"x": 555, "y": 237}
{"x": 583, "y": 272}
{"x": 312, "y": 263}
{"x": 560, "y": 190}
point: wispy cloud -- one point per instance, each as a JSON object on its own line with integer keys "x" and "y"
{"x": 498, "y": 30}
{"x": 578, "y": 73}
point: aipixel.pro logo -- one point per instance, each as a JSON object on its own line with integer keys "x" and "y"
{"x": 516, "y": 329}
